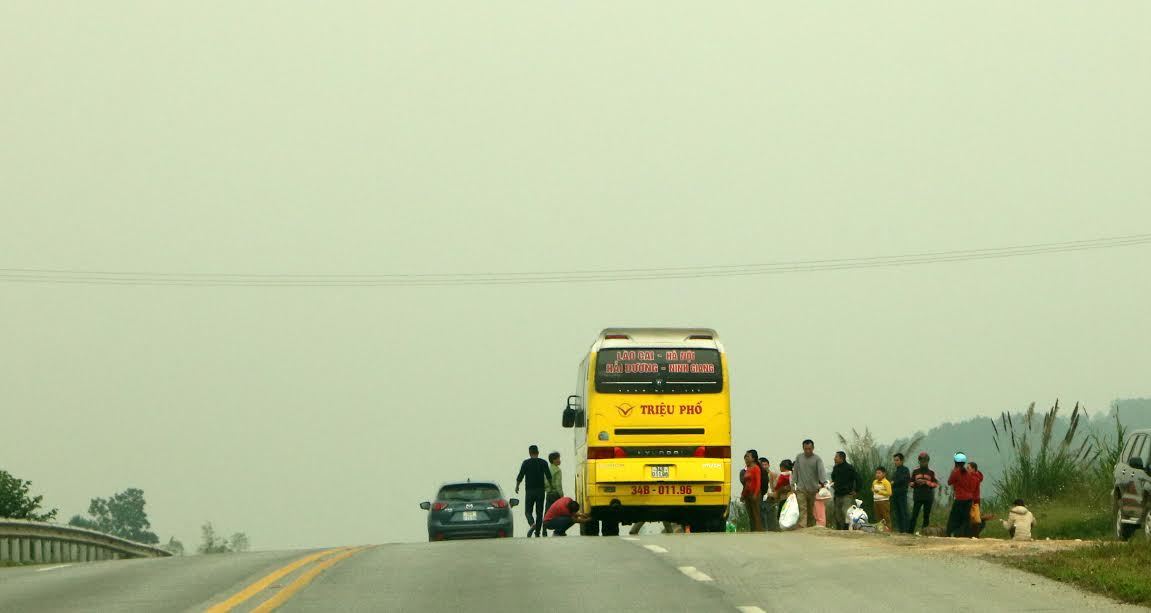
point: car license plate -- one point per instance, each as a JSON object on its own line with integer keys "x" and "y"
{"x": 470, "y": 516}
{"x": 660, "y": 472}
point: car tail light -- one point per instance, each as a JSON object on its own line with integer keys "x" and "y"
{"x": 500, "y": 504}
{"x": 712, "y": 452}
{"x": 605, "y": 453}
{"x": 502, "y": 534}
{"x": 439, "y": 536}
{"x": 439, "y": 506}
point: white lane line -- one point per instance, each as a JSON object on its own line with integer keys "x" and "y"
{"x": 628, "y": 538}
{"x": 655, "y": 548}
{"x": 750, "y": 610}
{"x": 40, "y": 570}
{"x": 694, "y": 573}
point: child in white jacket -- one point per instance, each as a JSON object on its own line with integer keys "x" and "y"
{"x": 1019, "y": 521}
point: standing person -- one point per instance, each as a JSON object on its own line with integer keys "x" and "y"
{"x": 900, "y": 479}
{"x": 766, "y": 490}
{"x": 964, "y": 483}
{"x": 782, "y": 488}
{"x": 923, "y": 486}
{"x": 881, "y": 497}
{"x": 563, "y": 514}
{"x": 555, "y": 488}
{"x": 977, "y": 502}
{"x": 538, "y": 475}
{"x": 807, "y": 476}
{"x": 750, "y": 496}
{"x": 845, "y": 483}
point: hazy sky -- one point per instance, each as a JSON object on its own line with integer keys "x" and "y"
{"x": 317, "y": 137}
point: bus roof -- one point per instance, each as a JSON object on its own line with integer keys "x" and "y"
{"x": 644, "y": 337}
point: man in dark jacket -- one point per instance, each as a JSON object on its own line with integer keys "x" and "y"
{"x": 538, "y": 474}
{"x": 900, "y": 480}
{"x": 923, "y": 486}
{"x": 846, "y": 483}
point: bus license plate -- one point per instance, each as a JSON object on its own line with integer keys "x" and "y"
{"x": 660, "y": 472}
{"x": 470, "y": 516}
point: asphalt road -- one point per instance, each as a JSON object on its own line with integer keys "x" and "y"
{"x": 696, "y": 572}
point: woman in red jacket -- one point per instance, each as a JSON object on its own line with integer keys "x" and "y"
{"x": 965, "y": 484}
{"x": 750, "y": 496}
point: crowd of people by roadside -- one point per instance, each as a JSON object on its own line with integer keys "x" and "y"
{"x": 804, "y": 482}
{"x": 765, "y": 494}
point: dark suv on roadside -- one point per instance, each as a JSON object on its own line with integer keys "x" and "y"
{"x": 469, "y": 509}
{"x": 1132, "y": 495}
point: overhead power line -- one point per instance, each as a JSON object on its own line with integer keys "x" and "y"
{"x": 140, "y": 278}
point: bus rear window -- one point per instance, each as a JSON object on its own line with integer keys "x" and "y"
{"x": 658, "y": 371}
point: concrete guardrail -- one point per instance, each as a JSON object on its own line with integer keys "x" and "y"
{"x": 33, "y": 541}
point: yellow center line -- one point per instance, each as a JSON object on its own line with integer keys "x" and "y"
{"x": 302, "y": 581}
{"x": 259, "y": 586}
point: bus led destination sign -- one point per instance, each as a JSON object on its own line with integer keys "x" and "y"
{"x": 651, "y": 361}
{"x": 660, "y": 371}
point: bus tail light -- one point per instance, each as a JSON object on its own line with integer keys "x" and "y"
{"x": 713, "y": 488}
{"x": 616, "y": 337}
{"x": 701, "y": 337}
{"x": 605, "y": 453}
{"x": 712, "y": 452}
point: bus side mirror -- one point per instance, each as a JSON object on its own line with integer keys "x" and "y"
{"x": 573, "y": 413}
{"x": 1136, "y": 463}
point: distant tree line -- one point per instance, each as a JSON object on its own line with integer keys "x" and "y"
{"x": 122, "y": 514}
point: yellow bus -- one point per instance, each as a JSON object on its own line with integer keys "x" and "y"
{"x": 652, "y": 422}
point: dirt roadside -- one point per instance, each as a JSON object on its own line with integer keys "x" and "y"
{"x": 932, "y": 545}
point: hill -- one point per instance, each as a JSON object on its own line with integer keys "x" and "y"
{"x": 975, "y": 436}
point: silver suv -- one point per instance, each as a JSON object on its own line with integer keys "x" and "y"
{"x": 1132, "y": 496}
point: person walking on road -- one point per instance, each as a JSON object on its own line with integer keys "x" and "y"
{"x": 900, "y": 479}
{"x": 555, "y": 487}
{"x": 807, "y": 476}
{"x": 923, "y": 486}
{"x": 965, "y": 484}
{"x": 751, "y": 477}
{"x": 563, "y": 514}
{"x": 845, "y": 483}
{"x": 766, "y": 490}
{"x": 538, "y": 475}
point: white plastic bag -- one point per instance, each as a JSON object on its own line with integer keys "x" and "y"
{"x": 823, "y": 494}
{"x": 856, "y": 517}
{"x": 789, "y": 516}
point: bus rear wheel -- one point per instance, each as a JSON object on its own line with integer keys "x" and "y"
{"x": 610, "y": 528}
{"x": 589, "y": 528}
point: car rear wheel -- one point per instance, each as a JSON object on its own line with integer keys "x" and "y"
{"x": 1123, "y": 531}
{"x": 1147, "y": 523}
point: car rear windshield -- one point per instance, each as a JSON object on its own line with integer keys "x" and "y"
{"x": 658, "y": 371}
{"x": 469, "y": 492}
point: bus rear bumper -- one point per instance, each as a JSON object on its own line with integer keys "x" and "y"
{"x": 677, "y": 514}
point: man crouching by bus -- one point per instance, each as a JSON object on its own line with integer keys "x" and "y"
{"x": 563, "y": 514}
